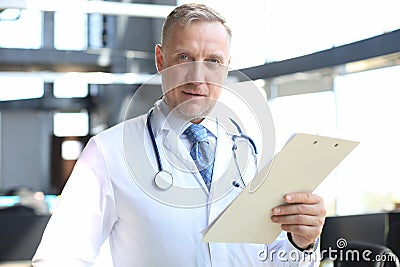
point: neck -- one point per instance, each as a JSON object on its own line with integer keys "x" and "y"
{"x": 197, "y": 121}
{"x": 192, "y": 119}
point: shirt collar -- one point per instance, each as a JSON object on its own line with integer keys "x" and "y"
{"x": 165, "y": 120}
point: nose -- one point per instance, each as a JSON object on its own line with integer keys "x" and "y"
{"x": 196, "y": 72}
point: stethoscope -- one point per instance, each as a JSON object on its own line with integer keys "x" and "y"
{"x": 163, "y": 179}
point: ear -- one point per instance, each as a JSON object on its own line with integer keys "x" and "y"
{"x": 159, "y": 57}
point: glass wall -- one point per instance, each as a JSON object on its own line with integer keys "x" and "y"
{"x": 368, "y": 111}
{"x": 362, "y": 107}
{"x": 296, "y": 28}
{"x": 273, "y": 30}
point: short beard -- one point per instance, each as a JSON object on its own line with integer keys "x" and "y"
{"x": 182, "y": 110}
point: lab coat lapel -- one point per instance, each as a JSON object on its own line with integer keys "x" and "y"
{"x": 180, "y": 160}
{"x": 223, "y": 153}
{"x": 223, "y": 173}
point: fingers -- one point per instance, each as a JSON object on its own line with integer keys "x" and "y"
{"x": 305, "y": 209}
{"x": 301, "y": 203}
{"x": 302, "y": 197}
{"x": 299, "y": 219}
{"x": 303, "y": 215}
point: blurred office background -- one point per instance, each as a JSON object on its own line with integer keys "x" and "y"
{"x": 68, "y": 68}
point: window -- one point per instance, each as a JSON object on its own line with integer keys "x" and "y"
{"x": 70, "y": 85}
{"x": 71, "y": 124}
{"x": 70, "y": 30}
{"x": 368, "y": 112}
{"x": 296, "y": 28}
{"x": 14, "y": 88}
{"x": 312, "y": 113}
{"x": 24, "y": 31}
{"x": 71, "y": 149}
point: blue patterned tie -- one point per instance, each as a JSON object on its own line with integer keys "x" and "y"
{"x": 201, "y": 152}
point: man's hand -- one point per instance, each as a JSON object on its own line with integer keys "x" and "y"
{"x": 303, "y": 216}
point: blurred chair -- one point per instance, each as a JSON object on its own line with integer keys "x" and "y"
{"x": 364, "y": 254}
{"x": 17, "y": 209}
{"x": 20, "y": 233}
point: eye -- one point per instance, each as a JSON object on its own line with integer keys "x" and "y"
{"x": 183, "y": 57}
{"x": 214, "y": 60}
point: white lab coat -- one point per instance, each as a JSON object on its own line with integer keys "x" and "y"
{"x": 111, "y": 195}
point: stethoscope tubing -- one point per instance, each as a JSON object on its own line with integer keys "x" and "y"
{"x": 162, "y": 175}
{"x": 153, "y": 140}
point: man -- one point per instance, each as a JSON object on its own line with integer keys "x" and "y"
{"x": 111, "y": 192}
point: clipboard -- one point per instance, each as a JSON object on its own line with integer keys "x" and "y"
{"x": 301, "y": 165}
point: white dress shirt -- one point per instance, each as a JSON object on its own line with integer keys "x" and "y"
{"x": 110, "y": 195}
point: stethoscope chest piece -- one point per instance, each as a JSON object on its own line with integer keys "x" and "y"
{"x": 163, "y": 180}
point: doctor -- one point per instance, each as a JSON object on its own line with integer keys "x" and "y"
{"x": 111, "y": 193}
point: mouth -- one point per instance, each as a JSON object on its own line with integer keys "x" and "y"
{"x": 193, "y": 94}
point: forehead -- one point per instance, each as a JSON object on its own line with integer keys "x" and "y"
{"x": 199, "y": 32}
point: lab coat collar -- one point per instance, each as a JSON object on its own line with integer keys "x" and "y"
{"x": 162, "y": 120}
{"x": 165, "y": 120}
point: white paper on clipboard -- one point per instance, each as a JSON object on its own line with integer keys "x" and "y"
{"x": 301, "y": 165}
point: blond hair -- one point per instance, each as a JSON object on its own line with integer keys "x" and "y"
{"x": 188, "y": 13}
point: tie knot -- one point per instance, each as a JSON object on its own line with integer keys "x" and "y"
{"x": 196, "y": 133}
